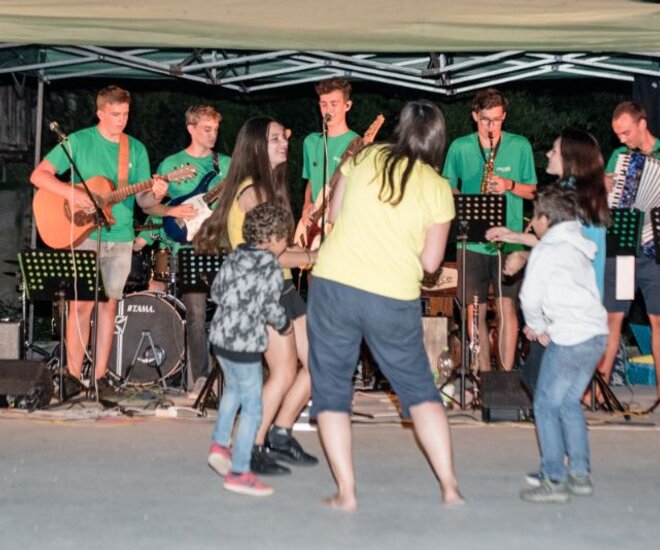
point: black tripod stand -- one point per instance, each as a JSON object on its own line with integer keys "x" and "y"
{"x": 475, "y": 214}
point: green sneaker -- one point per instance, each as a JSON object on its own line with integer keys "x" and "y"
{"x": 547, "y": 491}
{"x": 580, "y": 485}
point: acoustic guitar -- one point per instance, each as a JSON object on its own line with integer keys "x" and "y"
{"x": 59, "y": 226}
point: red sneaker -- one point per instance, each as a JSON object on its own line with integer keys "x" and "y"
{"x": 247, "y": 484}
{"x": 220, "y": 459}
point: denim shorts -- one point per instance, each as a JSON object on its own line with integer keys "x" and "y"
{"x": 338, "y": 317}
{"x": 647, "y": 279}
{"x": 115, "y": 262}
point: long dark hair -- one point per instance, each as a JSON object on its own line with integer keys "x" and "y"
{"x": 248, "y": 161}
{"x": 419, "y": 136}
{"x": 583, "y": 168}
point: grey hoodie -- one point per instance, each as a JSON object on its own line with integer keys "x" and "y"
{"x": 247, "y": 290}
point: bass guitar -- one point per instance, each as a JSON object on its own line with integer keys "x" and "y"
{"x": 310, "y": 236}
{"x": 181, "y": 230}
{"x": 60, "y": 226}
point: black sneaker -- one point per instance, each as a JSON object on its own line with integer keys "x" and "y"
{"x": 285, "y": 447}
{"x": 263, "y": 463}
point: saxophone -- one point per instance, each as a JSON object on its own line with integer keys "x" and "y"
{"x": 475, "y": 348}
{"x": 488, "y": 167}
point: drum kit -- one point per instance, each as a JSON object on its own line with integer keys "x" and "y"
{"x": 150, "y": 340}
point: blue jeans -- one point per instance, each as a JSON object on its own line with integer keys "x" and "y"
{"x": 243, "y": 383}
{"x": 560, "y": 425}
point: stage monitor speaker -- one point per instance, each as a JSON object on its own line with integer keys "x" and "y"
{"x": 26, "y": 384}
{"x": 10, "y": 340}
{"x": 504, "y": 397}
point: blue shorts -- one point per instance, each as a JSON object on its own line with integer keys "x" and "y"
{"x": 338, "y": 317}
{"x": 647, "y": 279}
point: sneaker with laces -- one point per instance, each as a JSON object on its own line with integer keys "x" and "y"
{"x": 534, "y": 479}
{"x": 263, "y": 463}
{"x": 283, "y": 446}
{"x": 247, "y": 484}
{"x": 220, "y": 459}
{"x": 547, "y": 492}
{"x": 580, "y": 485}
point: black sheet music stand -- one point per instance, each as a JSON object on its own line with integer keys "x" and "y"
{"x": 51, "y": 275}
{"x": 624, "y": 233}
{"x": 475, "y": 214}
{"x": 655, "y": 223}
{"x": 197, "y": 271}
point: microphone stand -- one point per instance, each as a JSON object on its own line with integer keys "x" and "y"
{"x": 325, "y": 176}
{"x": 100, "y": 221}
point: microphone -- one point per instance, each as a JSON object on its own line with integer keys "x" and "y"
{"x": 55, "y": 128}
{"x": 326, "y": 118}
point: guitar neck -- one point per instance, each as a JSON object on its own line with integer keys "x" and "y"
{"x": 120, "y": 194}
{"x": 209, "y": 197}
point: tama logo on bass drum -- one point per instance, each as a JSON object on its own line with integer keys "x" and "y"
{"x": 140, "y": 308}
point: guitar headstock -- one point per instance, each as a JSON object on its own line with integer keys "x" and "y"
{"x": 182, "y": 173}
{"x": 370, "y": 134}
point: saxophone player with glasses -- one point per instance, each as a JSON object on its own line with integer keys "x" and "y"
{"x": 492, "y": 161}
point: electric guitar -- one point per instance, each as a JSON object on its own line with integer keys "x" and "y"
{"x": 309, "y": 236}
{"x": 183, "y": 231}
{"x": 60, "y": 226}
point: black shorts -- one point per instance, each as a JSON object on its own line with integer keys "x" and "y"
{"x": 483, "y": 270}
{"x": 292, "y": 302}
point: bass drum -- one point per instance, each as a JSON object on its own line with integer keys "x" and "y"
{"x": 149, "y": 331}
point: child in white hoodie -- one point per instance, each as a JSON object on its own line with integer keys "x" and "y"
{"x": 563, "y": 311}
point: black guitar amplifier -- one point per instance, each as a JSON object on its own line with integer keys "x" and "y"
{"x": 25, "y": 384}
{"x": 504, "y": 397}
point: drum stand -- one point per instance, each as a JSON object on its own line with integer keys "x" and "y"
{"x": 207, "y": 397}
{"x": 157, "y": 357}
{"x": 475, "y": 214}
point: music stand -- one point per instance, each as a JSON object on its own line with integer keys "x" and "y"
{"x": 52, "y": 275}
{"x": 197, "y": 271}
{"x": 475, "y": 214}
{"x": 624, "y": 233}
{"x": 655, "y": 223}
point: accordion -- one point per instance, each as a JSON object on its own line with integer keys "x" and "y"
{"x": 636, "y": 184}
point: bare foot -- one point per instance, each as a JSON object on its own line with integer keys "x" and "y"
{"x": 345, "y": 504}
{"x": 452, "y": 499}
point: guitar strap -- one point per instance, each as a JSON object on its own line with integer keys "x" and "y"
{"x": 122, "y": 163}
{"x": 216, "y": 163}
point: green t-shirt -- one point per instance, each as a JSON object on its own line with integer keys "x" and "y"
{"x": 313, "y": 153}
{"x": 94, "y": 155}
{"x": 514, "y": 160}
{"x": 611, "y": 164}
{"x": 203, "y": 165}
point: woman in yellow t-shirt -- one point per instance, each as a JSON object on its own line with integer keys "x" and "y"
{"x": 391, "y": 213}
{"x": 258, "y": 174}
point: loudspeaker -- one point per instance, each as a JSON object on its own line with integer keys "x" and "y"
{"x": 26, "y": 384}
{"x": 504, "y": 397}
{"x": 10, "y": 340}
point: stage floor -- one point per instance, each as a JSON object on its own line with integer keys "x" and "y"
{"x": 87, "y": 478}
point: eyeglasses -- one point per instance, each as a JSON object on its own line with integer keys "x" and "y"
{"x": 491, "y": 121}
